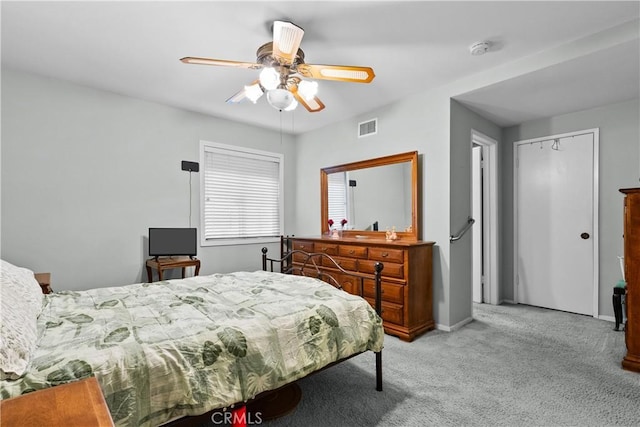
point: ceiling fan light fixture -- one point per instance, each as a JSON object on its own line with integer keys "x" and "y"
{"x": 280, "y": 99}
{"x": 253, "y": 92}
{"x": 307, "y": 89}
{"x": 269, "y": 78}
{"x": 293, "y": 106}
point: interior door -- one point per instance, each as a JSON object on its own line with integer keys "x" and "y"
{"x": 476, "y": 213}
{"x": 555, "y": 223}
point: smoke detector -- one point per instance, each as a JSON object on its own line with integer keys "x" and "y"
{"x": 479, "y": 48}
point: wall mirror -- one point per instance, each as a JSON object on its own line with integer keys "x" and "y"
{"x": 373, "y": 195}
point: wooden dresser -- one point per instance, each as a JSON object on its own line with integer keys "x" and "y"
{"x": 631, "y": 361}
{"x": 407, "y": 302}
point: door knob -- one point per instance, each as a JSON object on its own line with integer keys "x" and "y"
{"x": 585, "y": 236}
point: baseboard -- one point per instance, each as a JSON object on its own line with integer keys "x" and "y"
{"x": 607, "y": 318}
{"x": 453, "y": 327}
{"x": 601, "y": 317}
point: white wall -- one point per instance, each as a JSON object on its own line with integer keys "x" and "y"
{"x": 415, "y": 123}
{"x": 619, "y": 168}
{"x": 463, "y": 121}
{"x": 86, "y": 172}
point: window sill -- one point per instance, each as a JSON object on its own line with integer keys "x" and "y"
{"x": 237, "y": 241}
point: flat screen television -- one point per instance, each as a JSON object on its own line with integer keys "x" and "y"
{"x": 172, "y": 242}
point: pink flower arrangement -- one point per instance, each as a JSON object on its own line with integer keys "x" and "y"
{"x": 343, "y": 222}
{"x": 330, "y": 223}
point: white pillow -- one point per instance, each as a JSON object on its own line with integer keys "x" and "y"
{"x": 21, "y": 305}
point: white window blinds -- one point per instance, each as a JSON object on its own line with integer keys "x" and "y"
{"x": 337, "y": 195}
{"x": 241, "y": 193}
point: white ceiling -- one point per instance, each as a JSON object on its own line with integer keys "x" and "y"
{"x": 133, "y": 48}
{"x": 604, "y": 77}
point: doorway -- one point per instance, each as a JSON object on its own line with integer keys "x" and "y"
{"x": 484, "y": 203}
{"x": 556, "y": 222}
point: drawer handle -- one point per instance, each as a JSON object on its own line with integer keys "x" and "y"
{"x": 385, "y": 254}
{"x": 324, "y": 249}
{"x": 302, "y": 246}
{"x": 351, "y": 252}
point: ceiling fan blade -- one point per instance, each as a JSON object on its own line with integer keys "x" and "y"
{"x": 221, "y": 62}
{"x": 286, "y": 41}
{"x": 238, "y": 97}
{"x": 343, "y": 73}
{"x": 312, "y": 105}
{"x": 251, "y": 92}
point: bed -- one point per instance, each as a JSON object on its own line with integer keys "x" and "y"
{"x": 176, "y": 348}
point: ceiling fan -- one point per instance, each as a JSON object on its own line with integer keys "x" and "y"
{"x": 283, "y": 69}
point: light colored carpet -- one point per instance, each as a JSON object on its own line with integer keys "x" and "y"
{"x": 513, "y": 365}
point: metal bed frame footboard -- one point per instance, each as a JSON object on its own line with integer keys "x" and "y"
{"x": 308, "y": 263}
{"x": 286, "y": 266}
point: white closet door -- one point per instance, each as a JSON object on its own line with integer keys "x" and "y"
{"x": 555, "y": 223}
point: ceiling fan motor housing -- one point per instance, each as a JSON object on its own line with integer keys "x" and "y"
{"x": 265, "y": 56}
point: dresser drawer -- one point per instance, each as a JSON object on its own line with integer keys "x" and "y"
{"x": 390, "y": 269}
{"x": 301, "y": 258}
{"x": 327, "y": 277}
{"x": 391, "y": 292}
{"x": 302, "y": 245}
{"x": 386, "y": 255}
{"x": 350, "y": 284}
{"x": 390, "y": 312}
{"x": 349, "y": 264}
{"x": 352, "y": 251}
{"x": 307, "y": 271}
{"x": 326, "y": 248}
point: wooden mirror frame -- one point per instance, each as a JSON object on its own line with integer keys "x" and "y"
{"x": 411, "y": 157}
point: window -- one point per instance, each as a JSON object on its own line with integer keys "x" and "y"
{"x": 241, "y": 195}
{"x": 337, "y": 196}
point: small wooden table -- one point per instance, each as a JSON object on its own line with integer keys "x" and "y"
{"x": 162, "y": 264}
{"x": 76, "y": 404}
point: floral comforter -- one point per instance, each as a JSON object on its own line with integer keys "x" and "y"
{"x": 183, "y": 347}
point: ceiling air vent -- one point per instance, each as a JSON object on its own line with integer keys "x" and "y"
{"x": 370, "y": 127}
